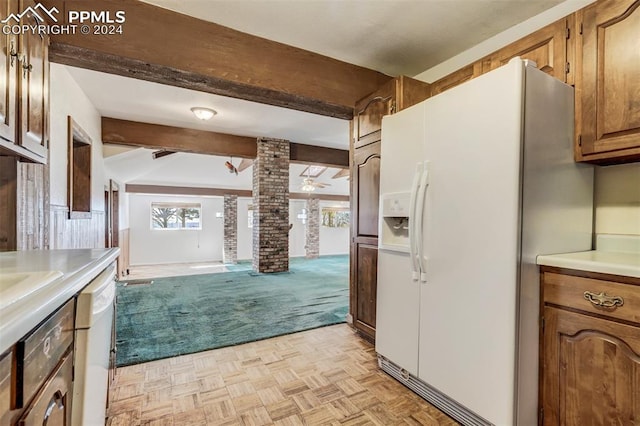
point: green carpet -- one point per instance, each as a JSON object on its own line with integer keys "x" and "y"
{"x": 181, "y": 315}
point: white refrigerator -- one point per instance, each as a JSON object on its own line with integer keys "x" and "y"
{"x": 474, "y": 184}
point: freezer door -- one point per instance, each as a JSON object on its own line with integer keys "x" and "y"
{"x": 471, "y": 242}
{"x": 397, "y": 310}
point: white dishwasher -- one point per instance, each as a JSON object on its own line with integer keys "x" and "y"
{"x": 94, "y": 321}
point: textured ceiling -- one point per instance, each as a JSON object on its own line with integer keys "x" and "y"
{"x": 392, "y": 36}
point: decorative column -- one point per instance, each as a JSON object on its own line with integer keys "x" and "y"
{"x": 271, "y": 206}
{"x": 312, "y": 242}
{"x": 230, "y": 251}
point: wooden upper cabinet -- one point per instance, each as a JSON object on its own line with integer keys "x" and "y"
{"x": 607, "y": 83}
{"x": 368, "y": 113}
{"x": 9, "y": 76}
{"x": 395, "y": 95}
{"x": 546, "y": 47}
{"x": 458, "y": 77}
{"x": 34, "y": 88}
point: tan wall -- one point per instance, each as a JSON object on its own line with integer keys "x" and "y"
{"x": 617, "y": 199}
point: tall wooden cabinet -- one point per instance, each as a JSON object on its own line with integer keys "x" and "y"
{"x": 395, "y": 95}
{"x": 607, "y": 83}
{"x": 590, "y": 369}
{"x": 24, "y": 87}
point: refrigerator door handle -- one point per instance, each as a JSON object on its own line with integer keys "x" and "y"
{"x": 415, "y": 271}
{"x": 419, "y": 237}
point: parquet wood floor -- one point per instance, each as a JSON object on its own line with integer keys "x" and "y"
{"x": 326, "y": 376}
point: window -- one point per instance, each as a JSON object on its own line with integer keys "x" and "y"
{"x": 335, "y": 217}
{"x": 176, "y": 216}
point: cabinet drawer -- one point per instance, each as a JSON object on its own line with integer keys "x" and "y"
{"x": 52, "y": 405}
{"x": 39, "y": 353}
{"x": 575, "y": 292}
{"x": 5, "y": 388}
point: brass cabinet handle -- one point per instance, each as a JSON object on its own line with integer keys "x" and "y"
{"x": 12, "y": 52}
{"x": 26, "y": 68}
{"x": 602, "y": 300}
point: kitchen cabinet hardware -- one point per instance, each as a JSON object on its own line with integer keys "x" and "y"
{"x": 26, "y": 68}
{"x": 601, "y": 347}
{"x": 12, "y": 52}
{"x": 602, "y": 300}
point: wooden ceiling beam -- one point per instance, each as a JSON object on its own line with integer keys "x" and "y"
{"x": 167, "y": 47}
{"x": 218, "y": 192}
{"x": 311, "y": 154}
{"x": 180, "y": 139}
{"x": 185, "y": 190}
{"x": 169, "y": 138}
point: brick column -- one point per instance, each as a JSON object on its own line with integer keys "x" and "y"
{"x": 271, "y": 206}
{"x": 312, "y": 241}
{"x": 230, "y": 251}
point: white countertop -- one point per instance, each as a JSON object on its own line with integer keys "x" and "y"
{"x": 78, "y": 266}
{"x": 606, "y": 262}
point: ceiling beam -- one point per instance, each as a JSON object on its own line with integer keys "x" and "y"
{"x": 219, "y": 192}
{"x": 169, "y": 138}
{"x": 185, "y": 190}
{"x": 311, "y": 154}
{"x": 326, "y": 197}
{"x": 167, "y": 47}
{"x": 180, "y": 139}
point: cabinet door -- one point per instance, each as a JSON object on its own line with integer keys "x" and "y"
{"x": 457, "y": 77}
{"x": 5, "y": 388}
{"x": 52, "y": 405}
{"x": 607, "y": 83}
{"x": 34, "y": 88}
{"x": 546, "y": 47}
{"x": 9, "y": 70}
{"x": 591, "y": 371}
{"x": 368, "y": 113}
{"x": 365, "y": 191}
{"x": 364, "y": 269}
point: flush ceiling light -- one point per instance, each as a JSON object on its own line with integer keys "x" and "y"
{"x": 203, "y": 113}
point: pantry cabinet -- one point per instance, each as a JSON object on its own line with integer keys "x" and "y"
{"x": 395, "y": 95}
{"x": 24, "y": 109}
{"x": 607, "y": 84}
{"x": 590, "y": 372}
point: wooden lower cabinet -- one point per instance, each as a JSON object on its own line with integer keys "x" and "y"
{"x": 52, "y": 405}
{"x": 590, "y": 359}
{"x": 364, "y": 276}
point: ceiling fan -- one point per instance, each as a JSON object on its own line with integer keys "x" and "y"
{"x": 308, "y": 184}
{"x": 245, "y": 163}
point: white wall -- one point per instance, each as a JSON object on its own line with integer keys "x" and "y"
{"x": 66, "y": 98}
{"x": 150, "y": 246}
{"x": 617, "y": 199}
